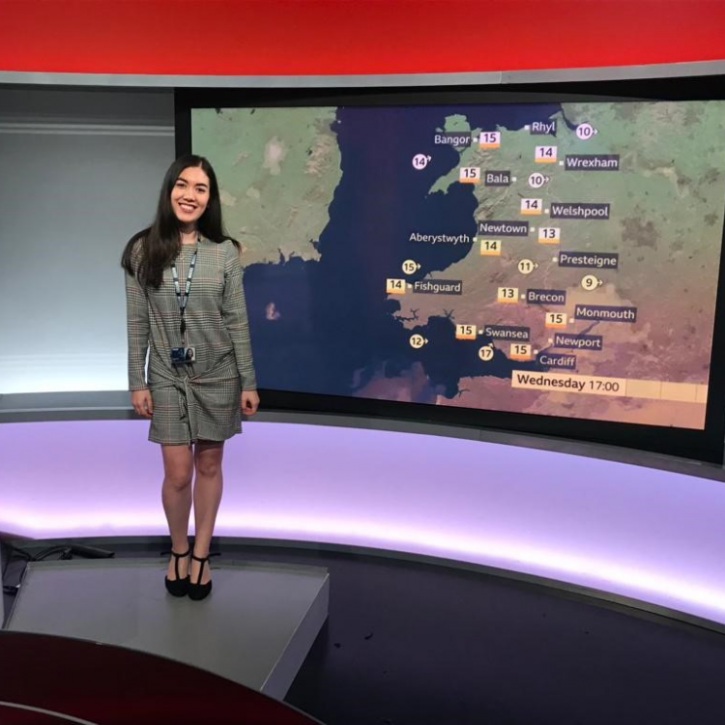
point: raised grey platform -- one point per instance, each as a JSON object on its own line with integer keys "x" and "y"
{"x": 256, "y": 627}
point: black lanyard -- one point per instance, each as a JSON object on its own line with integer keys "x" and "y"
{"x": 183, "y": 300}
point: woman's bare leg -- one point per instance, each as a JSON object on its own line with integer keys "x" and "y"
{"x": 176, "y": 497}
{"x": 207, "y": 496}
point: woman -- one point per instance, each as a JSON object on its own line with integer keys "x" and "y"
{"x": 185, "y": 302}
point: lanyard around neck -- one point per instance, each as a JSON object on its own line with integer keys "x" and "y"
{"x": 183, "y": 299}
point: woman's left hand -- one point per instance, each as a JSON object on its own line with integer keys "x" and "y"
{"x": 249, "y": 402}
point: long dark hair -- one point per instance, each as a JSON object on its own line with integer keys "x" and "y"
{"x": 161, "y": 242}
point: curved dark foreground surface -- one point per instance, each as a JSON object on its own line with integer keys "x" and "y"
{"x": 50, "y": 680}
{"x": 413, "y": 643}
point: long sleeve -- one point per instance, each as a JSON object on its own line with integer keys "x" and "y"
{"x": 234, "y": 313}
{"x": 137, "y": 327}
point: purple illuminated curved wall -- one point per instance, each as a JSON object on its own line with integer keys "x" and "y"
{"x": 633, "y": 531}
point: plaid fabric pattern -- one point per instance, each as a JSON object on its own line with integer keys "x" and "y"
{"x": 199, "y": 400}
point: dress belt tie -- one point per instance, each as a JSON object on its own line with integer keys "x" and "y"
{"x": 188, "y": 389}
{"x": 185, "y": 389}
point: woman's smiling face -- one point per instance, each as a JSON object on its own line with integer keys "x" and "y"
{"x": 190, "y": 195}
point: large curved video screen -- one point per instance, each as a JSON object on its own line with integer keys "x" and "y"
{"x": 553, "y": 259}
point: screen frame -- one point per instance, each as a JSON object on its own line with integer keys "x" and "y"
{"x": 707, "y": 444}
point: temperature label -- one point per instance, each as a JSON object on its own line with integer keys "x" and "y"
{"x": 489, "y": 140}
{"x": 509, "y": 295}
{"x": 469, "y": 175}
{"x": 531, "y": 206}
{"x": 549, "y": 235}
{"x": 465, "y": 332}
{"x": 555, "y": 320}
{"x": 520, "y": 351}
{"x": 395, "y": 286}
{"x": 490, "y": 247}
{"x": 545, "y": 155}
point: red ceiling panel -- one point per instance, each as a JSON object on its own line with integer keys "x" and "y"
{"x": 283, "y": 37}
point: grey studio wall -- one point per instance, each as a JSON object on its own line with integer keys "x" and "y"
{"x": 80, "y": 171}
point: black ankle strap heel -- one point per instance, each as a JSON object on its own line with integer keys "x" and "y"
{"x": 177, "y": 587}
{"x": 198, "y": 591}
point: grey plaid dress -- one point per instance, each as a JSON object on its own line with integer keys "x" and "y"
{"x": 200, "y": 400}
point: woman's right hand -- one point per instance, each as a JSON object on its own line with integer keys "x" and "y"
{"x": 142, "y": 403}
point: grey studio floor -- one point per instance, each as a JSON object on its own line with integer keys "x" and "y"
{"x": 411, "y": 643}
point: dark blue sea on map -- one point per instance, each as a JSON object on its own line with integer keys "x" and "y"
{"x": 338, "y": 330}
